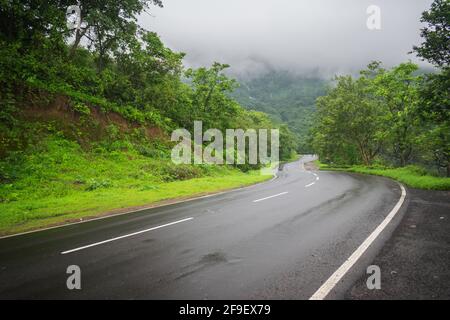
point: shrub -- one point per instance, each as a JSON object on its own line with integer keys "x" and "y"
{"x": 93, "y": 184}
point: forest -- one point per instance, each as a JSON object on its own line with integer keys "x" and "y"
{"x": 287, "y": 98}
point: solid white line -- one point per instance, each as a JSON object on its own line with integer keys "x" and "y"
{"x": 275, "y": 195}
{"x": 125, "y": 236}
{"x": 309, "y": 185}
{"x": 325, "y": 289}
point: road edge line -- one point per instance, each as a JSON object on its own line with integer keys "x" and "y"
{"x": 333, "y": 280}
{"x": 275, "y": 176}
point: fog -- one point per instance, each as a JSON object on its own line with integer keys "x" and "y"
{"x": 321, "y": 36}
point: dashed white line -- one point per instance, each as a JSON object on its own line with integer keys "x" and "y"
{"x": 125, "y": 236}
{"x": 309, "y": 185}
{"x": 325, "y": 289}
{"x": 275, "y": 195}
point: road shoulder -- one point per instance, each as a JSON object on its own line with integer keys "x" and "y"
{"x": 414, "y": 261}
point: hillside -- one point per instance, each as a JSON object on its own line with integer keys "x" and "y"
{"x": 86, "y": 117}
{"x": 65, "y": 162}
{"x": 286, "y": 97}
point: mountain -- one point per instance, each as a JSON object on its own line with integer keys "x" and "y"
{"x": 288, "y": 98}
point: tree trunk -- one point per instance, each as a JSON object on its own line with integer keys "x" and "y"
{"x": 78, "y": 36}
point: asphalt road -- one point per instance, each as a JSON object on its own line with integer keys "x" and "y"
{"x": 277, "y": 240}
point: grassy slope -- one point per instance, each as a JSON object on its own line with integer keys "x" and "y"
{"x": 60, "y": 183}
{"x": 412, "y": 176}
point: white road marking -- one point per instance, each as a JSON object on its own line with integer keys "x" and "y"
{"x": 275, "y": 195}
{"x": 317, "y": 178}
{"x": 125, "y": 236}
{"x": 325, "y": 289}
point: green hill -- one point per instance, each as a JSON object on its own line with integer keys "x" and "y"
{"x": 286, "y": 97}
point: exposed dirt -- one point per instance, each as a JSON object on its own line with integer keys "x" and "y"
{"x": 58, "y": 110}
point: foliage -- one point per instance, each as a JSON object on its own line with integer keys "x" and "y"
{"x": 412, "y": 176}
{"x": 55, "y": 182}
{"x": 112, "y": 64}
{"x": 397, "y": 90}
{"x": 436, "y": 47}
{"x": 350, "y": 126}
{"x": 287, "y": 98}
{"x": 435, "y": 93}
{"x": 384, "y": 116}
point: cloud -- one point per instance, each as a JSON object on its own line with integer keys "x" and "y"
{"x": 328, "y": 36}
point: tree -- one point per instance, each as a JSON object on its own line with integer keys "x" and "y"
{"x": 31, "y": 44}
{"x": 210, "y": 95}
{"x": 108, "y": 25}
{"x": 436, "y": 47}
{"x": 29, "y": 21}
{"x": 435, "y": 92}
{"x": 399, "y": 90}
{"x": 348, "y": 119}
{"x": 435, "y": 112}
{"x": 149, "y": 71}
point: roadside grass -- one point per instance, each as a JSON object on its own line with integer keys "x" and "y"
{"x": 412, "y": 176}
{"x": 31, "y": 214}
{"x": 60, "y": 183}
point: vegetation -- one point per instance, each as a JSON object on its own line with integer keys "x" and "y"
{"x": 86, "y": 112}
{"x": 58, "y": 182}
{"x": 393, "y": 119}
{"x": 288, "y": 99}
{"x": 87, "y": 108}
{"x": 411, "y": 175}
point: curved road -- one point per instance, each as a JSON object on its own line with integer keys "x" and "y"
{"x": 277, "y": 240}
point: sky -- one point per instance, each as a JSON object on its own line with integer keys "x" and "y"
{"x": 324, "y": 37}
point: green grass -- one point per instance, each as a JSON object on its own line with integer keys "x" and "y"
{"x": 31, "y": 214}
{"x": 412, "y": 176}
{"x": 57, "y": 182}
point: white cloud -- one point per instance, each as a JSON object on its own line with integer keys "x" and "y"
{"x": 304, "y": 35}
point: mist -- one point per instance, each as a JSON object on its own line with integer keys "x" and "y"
{"x": 322, "y": 37}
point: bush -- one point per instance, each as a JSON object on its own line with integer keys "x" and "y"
{"x": 81, "y": 108}
{"x": 93, "y": 184}
{"x": 180, "y": 172}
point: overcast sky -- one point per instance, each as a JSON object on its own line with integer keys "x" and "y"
{"x": 300, "y": 35}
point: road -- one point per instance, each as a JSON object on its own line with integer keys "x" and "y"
{"x": 280, "y": 239}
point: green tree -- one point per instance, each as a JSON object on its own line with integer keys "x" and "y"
{"x": 349, "y": 119}
{"x": 399, "y": 90}
{"x": 436, "y": 47}
{"x": 108, "y": 25}
{"x": 435, "y": 92}
{"x": 210, "y": 95}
